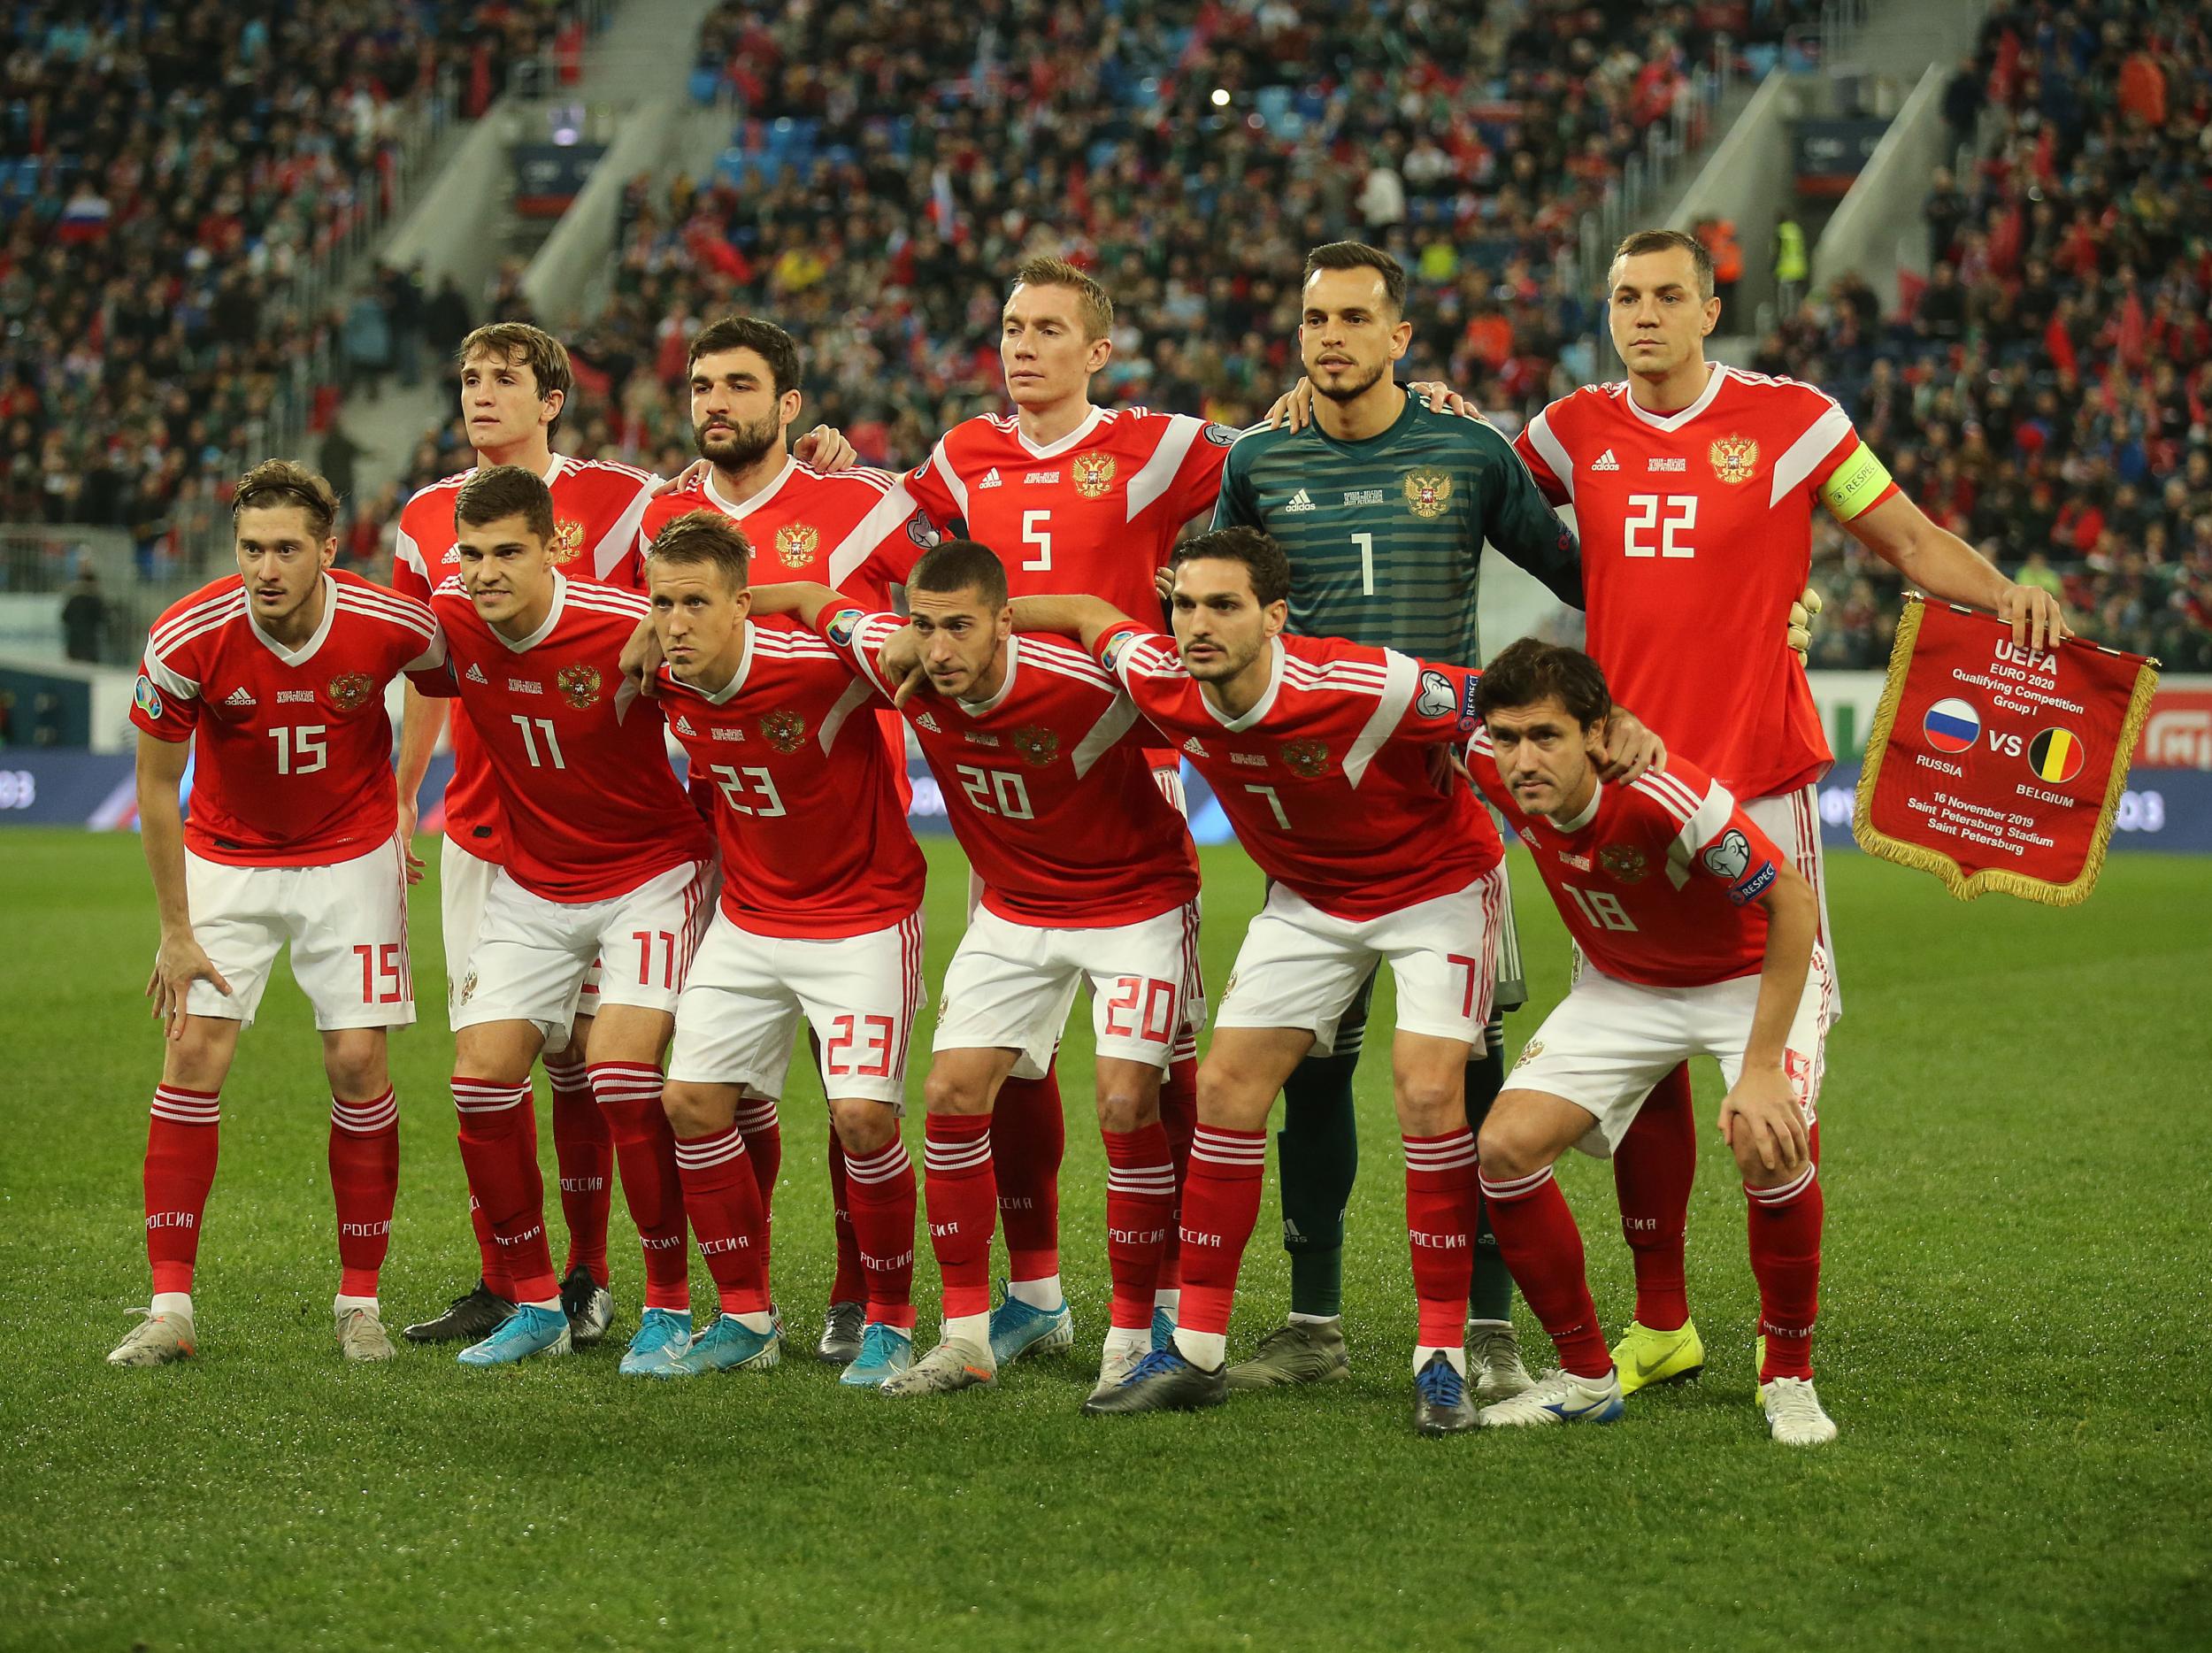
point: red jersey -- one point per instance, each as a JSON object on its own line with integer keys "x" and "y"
{"x": 856, "y": 531}
{"x": 1326, "y": 778}
{"x": 1697, "y": 535}
{"x": 578, "y": 760}
{"x": 597, "y": 507}
{"x": 814, "y": 840}
{"x": 294, "y": 766}
{"x": 1046, "y": 784}
{"x": 1659, "y": 880}
{"x": 1095, "y": 513}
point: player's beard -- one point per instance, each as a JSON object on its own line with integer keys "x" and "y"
{"x": 1348, "y": 390}
{"x": 737, "y": 446}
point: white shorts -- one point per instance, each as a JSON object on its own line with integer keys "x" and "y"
{"x": 347, "y": 923}
{"x": 743, "y": 1003}
{"x": 464, "y": 880}
{"x": 1792, "y": 821}
{"x": 1609, "y": 1041}
{"x": 1299, "y": 967}
{"x": 532, "y": 955}
{"x": 1010, "y": 986}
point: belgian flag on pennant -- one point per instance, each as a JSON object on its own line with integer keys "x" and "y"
{"x": 2057, "y": 756}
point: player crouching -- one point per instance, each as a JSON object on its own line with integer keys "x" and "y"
{"x": 1697, "y": 939}
{"x": 820, "y": 918}
{"x": 276, "y": 677}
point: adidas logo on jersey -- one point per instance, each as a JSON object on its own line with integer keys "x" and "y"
{"x": 927, "y": 722}
{"x": 1193, "y": 748}
{"x": 1606, "y": 461}
{"x": 239, "y": 698}
{"x": 1301, "y": 500}
{"x": 992, "y": 479}
{"x": 475, "y": 674}
{"x": 683, "y": 724}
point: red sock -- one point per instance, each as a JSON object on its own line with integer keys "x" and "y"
{"x": 1139, "y": 1204}
{"x": 180, "y": 1144}
{"x": 958, "y": 1180}
{"x": 1178, "y": 1118}
{"x": 364, "y": 1182}
{"x": 491, "y": 1257}
{"x": 499, "y": 1152}
{"x": 1028, "y": 1142}
{"x": 583, "y": 1147}
{"x": 764, "y": 1146}
{"x": 629, "y": 1093}
{"x": 881, "y": 1186}
{"x": 723, "y": 1202}
{"x": 1785, "y": 1225}
{"x": 1652, "y": 1170}
{"x": 851, "y": 1282}
{"x": 1441, "y": 1226}
{"x": 1221, "y": 1204}
{"x": 1541, "y": 1245}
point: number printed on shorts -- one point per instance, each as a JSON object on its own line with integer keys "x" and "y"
{"x": 383, "y": 973}
{"x": 1474, "y": 977}
{"x": 1142, "y": 1008}
{"x": 645, "y": 940}
{"x": 872, "y": 1038}
{"x": 999, "y": 792}
{"x": 1601, "y": 907}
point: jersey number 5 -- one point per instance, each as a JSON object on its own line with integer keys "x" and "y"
{"x": 1668, "y": 515}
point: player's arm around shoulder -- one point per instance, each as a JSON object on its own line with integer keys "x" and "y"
{"x": 1085, "y": 617}
{"x": 1518, "y": 519}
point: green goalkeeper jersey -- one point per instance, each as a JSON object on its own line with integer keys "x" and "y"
{"x": 1385, "y": 536}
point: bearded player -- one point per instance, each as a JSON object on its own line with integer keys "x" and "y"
{"x": 1696, "y": 938}
{"x": 1693, "y": 485}
{"x": 273, "y": 679}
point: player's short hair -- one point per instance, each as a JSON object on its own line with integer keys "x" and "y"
{"x": 1098, "y": 310}
{"x": 505, "y": 491}
{"x": 1263, "y": 558}
{"x": 279, "y": 482}
{"x": 518, "y": 344}
{"x": 961, "y": 565}
{"x": 1530, "y": 672}
{"x": 706, "y": 536}
{"x": 764, "y": 338}
{"x": 1357, "y": 255}
{"x": 1647, "y": 240}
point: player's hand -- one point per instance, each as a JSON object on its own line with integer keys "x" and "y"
{"x": 1441, "y": 398}
{"x": 180, "y": 961}
{"x": 1630, "y": 748}
{"x": 826, "y": 448}
{"x": 901, "y": 663}
{"x": 695, "y": 472}
{"x": 408, "y": 815}
{"x": 640, "y": 660}
{"x": 2037, "y": 621}
{"x": 1803, "y": 613}
{"x": 1293, "y": 407}
{"x": 1760, "y": 1120}
{"x": 1164, "y": 582}
{"x": 1447, "y": 773}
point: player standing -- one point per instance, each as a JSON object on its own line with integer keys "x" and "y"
{"x": 1088, "y": 879}
{"x": 274, "y": 678}
{"x": 820, "y": 919}
{"x": 1382, "y": 505}
{"x": 1693, "y": 485}
{"x": 1082, "y": 498}
{"x": 1697, "y": 939}
{"x": 1320, "y": 752}
{"x": 604, "y": 862}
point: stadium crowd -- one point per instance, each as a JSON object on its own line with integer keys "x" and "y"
{"x": 2046, "y": 394}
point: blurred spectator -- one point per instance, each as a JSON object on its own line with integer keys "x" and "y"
{"x": 84, "y": 619}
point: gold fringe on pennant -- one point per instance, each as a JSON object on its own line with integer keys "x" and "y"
{"x": 1956, "y": 879}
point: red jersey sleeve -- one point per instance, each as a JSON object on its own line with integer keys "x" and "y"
{"x": 881, "y": 551}
{"x": 1535, "y": 437}
{"x": 1185, "y": 468}
{"x": 165, "y": 703}
{"x": 937, "y": 491}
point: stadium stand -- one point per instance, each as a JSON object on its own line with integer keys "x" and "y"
{"x": 2046, "y": 392}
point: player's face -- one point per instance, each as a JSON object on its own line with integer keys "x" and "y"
{"x": 280, "y": 559}
{"x": 1221, "y": 626}
{"x": 736, "y": 416}
{"x": 1659, "y": 322}
{"x": 501, "y": 403}
{"x": 505, "y": 569}
{"x": 1350, "y": 335}
{"x": 1544, "y": 758}
{"x": 1042, "y": 347}
{"x": 962, "y": 638}
{"x": 698, "y": 619}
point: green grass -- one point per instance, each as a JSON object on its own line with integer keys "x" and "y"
{"x": 2016, "y": 1161}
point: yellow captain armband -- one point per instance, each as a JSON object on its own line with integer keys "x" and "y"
{"x": 1855, "y": 484}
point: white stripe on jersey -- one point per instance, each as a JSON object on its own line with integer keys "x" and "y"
{"x": 193, "y": 620}
{"x": 940, "y": 462}
{"x": 1826, "y": 433}
{"x": 896, "y": 505}
{"x": 1555, "y": 455}
{"x": 395, "y": 609}
{"x": 1397, "y": 694}
{"x": 1119, "y": 716}
{"x": 1059, "y": 656}
{"x": 1712, "y": 814}
{"x": 857, "y": 695}
{"x": 1670, "y": 794}
{"x": 608, "y": 600}
{"x": 1147, "y": 486}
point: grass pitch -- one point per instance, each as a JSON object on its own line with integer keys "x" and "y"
{"x": 2011, "y": 1338}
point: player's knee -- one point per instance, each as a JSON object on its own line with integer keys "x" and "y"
{"x": 1508, "y": 1147}
{"x": 693, "y": 1110}
{"x": 355, "y": 1066}
{"x": 1127, "y": 1106}
{"x": 862, "y": 1126}
{"x": 1789, "y": 1163}
{"x": 1431, "y": 1104}
{"x": 1231, "y": 1098}
{"x": 200, "y": 1058}
{"x": 948, "y": 1091}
